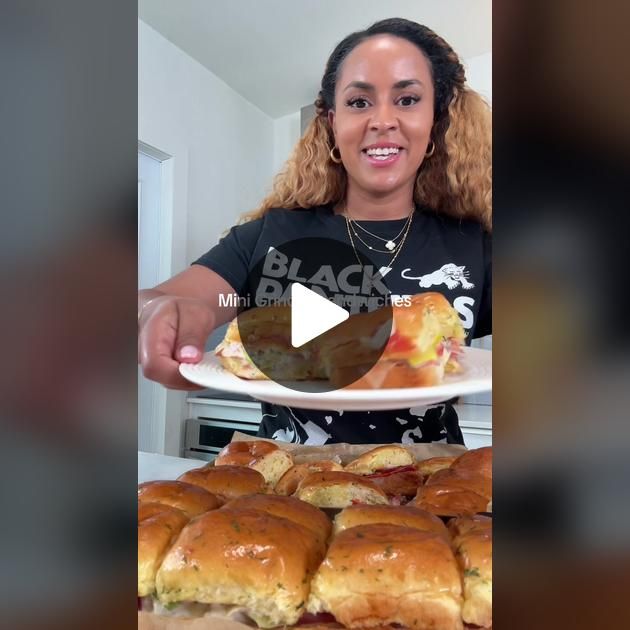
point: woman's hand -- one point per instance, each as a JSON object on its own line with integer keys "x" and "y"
{"x": 174, "y": 321}
{"x": 172, "y": 330}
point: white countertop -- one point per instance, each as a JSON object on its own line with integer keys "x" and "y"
{"x": 153, "y": 466}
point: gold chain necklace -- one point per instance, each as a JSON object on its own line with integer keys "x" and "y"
{"x": 391, "y": 262}
{"x": 374, "y": 249}
{"x": 390, "y": 243}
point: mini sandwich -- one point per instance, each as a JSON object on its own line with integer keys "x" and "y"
{"x": 250, "y": 560}
{"x": 190, "y": 499}
{"x": 289, "y": 482}
{"x": 398, "y": 346}
{"x": 472, "y": 541}
{"x": 390, "y": 467}
{"x": 388, "y": 574}
{"x": 266, "y": 457}
{"x": 407, "y": 516}
{"x": 339, "y": 490}
{"x": 158, "y": 527}
{"x": 424, "y": 344}
{"x": 226, "y": 482}
{"x": 448, "y": 500}
{"x": 429, "y": 466}
{"x": 463, "y": 479}
{"x": 265, "y": 334}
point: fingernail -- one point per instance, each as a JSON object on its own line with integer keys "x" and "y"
{"x": 188, "y": 352}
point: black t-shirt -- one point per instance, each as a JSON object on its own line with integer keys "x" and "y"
{"x": 440, "y": 254}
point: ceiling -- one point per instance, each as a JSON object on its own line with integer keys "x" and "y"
{"x": 273, "y": 52}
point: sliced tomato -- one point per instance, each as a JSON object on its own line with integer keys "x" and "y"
{"x": 398, "y": 343}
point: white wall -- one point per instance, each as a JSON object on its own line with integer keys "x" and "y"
{"x": 479, "y": 74}
{"x": 286, "y": 132}
{"x": 223, "y": 157}
{"x": 228, "y": 142}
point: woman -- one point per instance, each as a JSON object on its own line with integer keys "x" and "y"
{"x": 397, "y": 164}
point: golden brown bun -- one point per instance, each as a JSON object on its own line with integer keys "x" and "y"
{"x": 158, "y": 527}
{"x": 265, "y": 457}
{"x": 190, "y": 499}
{"x": 462, "y": 479}
{"x": 408, "y": 516}
{"x": 288, "y": 483}
{"x": 379, "y": 458}
{"x": 242, "y": 557}
{"x": 470, "y": 524}
{"x": 338, "y": 490}
{"x": 429, "y": 310}
{"x": 227, "y": 482}
{"x": 386, "y": 574}
{"x": 472, "y": 541}
{"x": 429, "y": 466}
{"x": 477, "y": 461}
{"x": 447, "y": 500}
{"x": 287, "y": 507}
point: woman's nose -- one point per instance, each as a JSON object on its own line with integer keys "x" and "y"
{"x": 383, "y": 118}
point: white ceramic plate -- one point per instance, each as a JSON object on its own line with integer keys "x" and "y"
{"x": 475, "y": 378}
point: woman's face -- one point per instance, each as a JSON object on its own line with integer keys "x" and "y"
{"x": 383, "y": 114}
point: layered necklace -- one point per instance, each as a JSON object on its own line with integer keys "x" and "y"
{"x": 392, "y": 246}
{"x": 390, "y": 243}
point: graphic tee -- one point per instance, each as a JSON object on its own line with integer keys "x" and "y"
{"x": 441, "y": 254}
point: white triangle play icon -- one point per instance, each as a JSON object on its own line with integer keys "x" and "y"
{"x": 312, "y": 315}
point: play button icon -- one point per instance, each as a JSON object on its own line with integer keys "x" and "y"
{"x": 300, "y": 316}
{"x": 312, "y": 315}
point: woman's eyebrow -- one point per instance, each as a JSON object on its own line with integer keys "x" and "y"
{"x": 362, "y": 85}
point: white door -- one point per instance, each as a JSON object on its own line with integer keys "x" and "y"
{"x": 151, "y": 396}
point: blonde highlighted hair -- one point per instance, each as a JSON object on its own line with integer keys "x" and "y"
{"x": 455, "y": 181}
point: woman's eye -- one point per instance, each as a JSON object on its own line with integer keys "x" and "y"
{"x": 406, "y": 101}
{"x": 358, "y": 103}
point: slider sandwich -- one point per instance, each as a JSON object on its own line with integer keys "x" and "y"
{"x": 424, "y": 343}
{"x": 472, "y": 542}
{"x": 381, "y": 574}
{"x": 158, "y": 527}
{"x": 392, "y": 468}
{"x": 448, "y": 500}
{"x": 289, "y": 482}
{"x": 266, "y": 457}
{"x": 239, "y": 562}
{"x": 429, "y": 466}
{"x": 397, "y": 346}
{"x": 266, "y": 332}
{"x": 334, "y": 489}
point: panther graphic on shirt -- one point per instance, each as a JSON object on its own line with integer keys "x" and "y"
{"x": 450, "y": 274}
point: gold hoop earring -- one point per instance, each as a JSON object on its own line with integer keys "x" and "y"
{"x": 428, "y": 154}
{"x": 336, "y": 160}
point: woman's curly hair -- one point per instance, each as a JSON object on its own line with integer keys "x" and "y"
{"x": 456, "y": 180}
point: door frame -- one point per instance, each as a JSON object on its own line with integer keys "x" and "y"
{"x": 169, "y": 410}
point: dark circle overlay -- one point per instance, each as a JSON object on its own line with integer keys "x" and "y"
{"x": 333, "y": 270}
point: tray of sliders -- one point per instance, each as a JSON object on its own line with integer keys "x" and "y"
{"x": 273, "y": 535}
